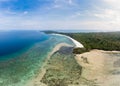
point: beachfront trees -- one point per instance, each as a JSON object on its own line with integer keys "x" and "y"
{"x": 79, "y": 50}
{"x": 103, "y": 41}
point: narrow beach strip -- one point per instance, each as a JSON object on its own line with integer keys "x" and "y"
{"x": 77, "y": 44}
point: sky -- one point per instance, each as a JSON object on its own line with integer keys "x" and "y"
{"x": 99, "y": 15}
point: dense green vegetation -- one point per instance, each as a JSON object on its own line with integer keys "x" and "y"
{"x": 103, "y": 40}
{"x": 95, "y": 40}
{"x": 79, "y": 50}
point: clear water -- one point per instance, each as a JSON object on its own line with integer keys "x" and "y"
{"x": 22, "y": 53}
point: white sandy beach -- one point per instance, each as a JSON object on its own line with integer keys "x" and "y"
{"x": 77, "y": 44}
{"x": 100, "y": 67}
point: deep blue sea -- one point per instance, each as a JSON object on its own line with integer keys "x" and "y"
{"x": 22, "y": 54}
{"x": 14, "y": 41}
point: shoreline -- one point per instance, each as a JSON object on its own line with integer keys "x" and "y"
{"x": 97, "y": 60}
{"x": 36, "y": 80}
{"x": 77, "y": 44}
{"x": 104, "y": 63}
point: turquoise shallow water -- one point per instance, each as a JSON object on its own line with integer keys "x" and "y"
{"x": 22, "y": 64}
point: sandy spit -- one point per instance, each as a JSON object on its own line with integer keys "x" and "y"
{"x": 36, "y": 81}
{"x": 77, "y": 44}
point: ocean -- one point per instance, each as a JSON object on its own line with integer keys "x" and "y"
{"x": 22, "y": 54}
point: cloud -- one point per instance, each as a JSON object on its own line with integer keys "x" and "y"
{"x": 63, "y": 3}
{"x": 114, "y": 4}
{"x": 110, "y": 14}
{"x": 18, "y": 23}
{"x": 4, "y": 0}
{"x": 22, "y": 23}
{"x": 70, "y": 1}
{"x": 76, "y": 14}
{"x": 25, "y": 12}
{"x": 65, "y": 15}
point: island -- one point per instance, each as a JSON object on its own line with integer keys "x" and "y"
{"x": 50, "y": 58}
{"x": 95, "y": 64}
